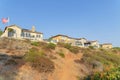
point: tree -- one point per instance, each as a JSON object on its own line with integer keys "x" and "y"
{"x": 1, "y": 32}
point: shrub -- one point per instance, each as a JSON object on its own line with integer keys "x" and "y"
{"x": 35, "y": 43}
{"x": 60, "y": 44}
{"x": 112, "y": 74}
{"x": 74, "y": 49}
{"x": 105, "y": 57}
{"x": 1, "y": 32}
{"x": 91, "y": 47}
{"x": 68, "y": 46}
{"x": 51, "y": 46}
{"x": 42, "y": 44}
{"x": 61, "y": 54}
{"x": 38, "y": 60}
{"x": 32, "y": 54}
{"x": 43, "y": 64}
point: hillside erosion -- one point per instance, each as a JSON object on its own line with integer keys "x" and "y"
{"x": 30, "y": 60}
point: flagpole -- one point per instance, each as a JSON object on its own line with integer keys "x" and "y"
{"x": 8, "y": 21}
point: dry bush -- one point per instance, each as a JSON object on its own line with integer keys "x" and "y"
{"x": 39, "y": 61}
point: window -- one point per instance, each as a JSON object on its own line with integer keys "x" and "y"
{"x": 78, "y": 43}
{"x": 29, "y": 35}
{"x": 14, "y": 31}
{"x": 55, "y": 41}
{"x": 10, "y": 34}
{"x": 39, "y": 36}
{"x": 22, "y": 34}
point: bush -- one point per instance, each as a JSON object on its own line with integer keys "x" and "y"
{"x": 112, "y": 74}
{"x": 38, "y": 60}
{"x": 73, "y": 49}
{"x": 51, "y": 46}
{"x": 61, "y": 54}
{"x": 43, "y": 64}
{"x": 105, "y": 57}
{"x": 91, "y": 47}
{"x": 1, "y": 32}
{"x": 35, "y": 43}
{"x": 32, "y": 54}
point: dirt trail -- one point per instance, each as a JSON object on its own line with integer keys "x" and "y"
{"x": 68, "y": 69}
{"x": 70, "y": 72}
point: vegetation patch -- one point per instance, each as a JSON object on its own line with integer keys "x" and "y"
{"x": 104, "y": 64}
{"x": 38, "y": 60}
{"x": 50, "y": 46}
{"x": 35, "y": 43}
{"x": 111, "y": 74}
{"x": 73, "y": 49}
{"x": 60, "y": 53}
{"x": 1, "y": 32}
{"x": 105, "y": 57}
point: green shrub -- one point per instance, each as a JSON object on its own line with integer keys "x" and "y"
{"x": 104, "y": 56}
{"x": 50, "y": 46}
{"x": 91, "y": 47}
{"x": 1, "y": 32}
{"x": 112, "y": 74}
{"x": 35, "y": 43}
{"x": 73, "y": 49}
{"x": 68, "y": 46}
{"x": 32, "y": 54}
{"x": 38, "y": 60}
{"x": 61, "y": 54}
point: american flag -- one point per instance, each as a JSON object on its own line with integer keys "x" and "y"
{"x": 5, "y": 20}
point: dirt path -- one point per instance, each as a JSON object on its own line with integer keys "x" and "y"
{"x": 68, "y": 69}
{"x": 70, "y": 72}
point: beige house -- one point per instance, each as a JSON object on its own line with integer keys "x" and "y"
{"x": 106, "y": 45}
{"x": 80, "y": 42}
{"x": 95, "y": 44}
{"x": 15, "y": 31}
{"x": 66, "y": 39}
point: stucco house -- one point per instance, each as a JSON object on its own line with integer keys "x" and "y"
{"x": 106, "y": 45}
{"x": 95, "y": 44}
{"x": 80, "y": 42}
{"x": 17, "y": 32}
{"x": 66, "y": 39}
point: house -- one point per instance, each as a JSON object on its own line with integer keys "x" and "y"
{"x": 95, "y": 44}
{"x": 60, "y": 38}
{"x": 106, "y": 45}
{"x": 80, "y": 42}
{"x": 17, "y": 32}
{"x": 66, "y": 39}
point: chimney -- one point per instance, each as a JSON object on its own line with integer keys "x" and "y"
{"x": 33, "y": 28}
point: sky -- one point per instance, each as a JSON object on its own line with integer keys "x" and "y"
{"x": 91, "y": 19}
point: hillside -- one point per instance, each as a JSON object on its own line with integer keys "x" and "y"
{"x": 26, "y": 60}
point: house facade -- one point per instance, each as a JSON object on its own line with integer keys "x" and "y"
{"x": 17, "y": 32}
{"x": 95, "y": 44}
{"x": 106, "y": 45}
{"x": 80, "y": 42}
